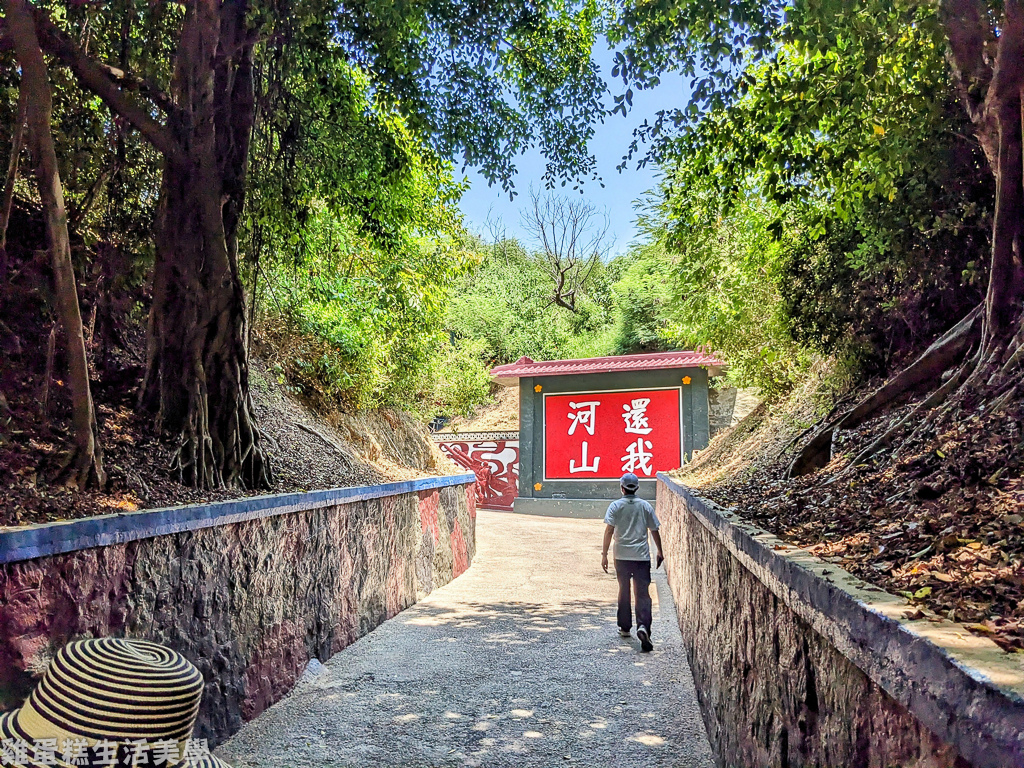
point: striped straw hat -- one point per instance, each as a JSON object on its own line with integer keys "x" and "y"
{"x": 108, "y": 691}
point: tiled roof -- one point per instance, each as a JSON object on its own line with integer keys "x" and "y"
{"x": 524, "y": 366}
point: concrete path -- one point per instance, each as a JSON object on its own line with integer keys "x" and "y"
{"x": 515, "y": 663}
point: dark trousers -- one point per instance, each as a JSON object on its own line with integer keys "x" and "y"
{"x": 639, "y": 571}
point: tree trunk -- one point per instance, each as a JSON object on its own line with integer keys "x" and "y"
{"x": 1002, "y": 300}
{"x": 1005, "y": 292}
{"x": 197, "y": 377}
{"x": 17, "y": 136}
{"x": 84, "y": 465}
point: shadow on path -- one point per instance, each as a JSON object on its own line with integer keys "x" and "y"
{"x": 516, "y": 663}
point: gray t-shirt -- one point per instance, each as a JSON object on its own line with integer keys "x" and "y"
{"x": 632, "y": 519}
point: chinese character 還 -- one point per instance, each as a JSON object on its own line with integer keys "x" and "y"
{"x": 573, "y": 469}
{"x": 635, "y": 416}
{"x": 585, "y": 415}
{"x": 637, "y": 459}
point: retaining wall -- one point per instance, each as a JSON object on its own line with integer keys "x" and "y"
{"x": 727, "y": 406}
{"x": 250, "y": 590}
{"x": 798, "y": 663}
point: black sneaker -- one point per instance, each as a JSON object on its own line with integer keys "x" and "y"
{"x": 645, "y": 639}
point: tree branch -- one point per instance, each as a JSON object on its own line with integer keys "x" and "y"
{"x": 1007, "y": 74}
{"x": 17, "y": 136}
{"x": 130, "y": 82}
{"x": 969, "y": 35}
{"x": 96, "y": 78}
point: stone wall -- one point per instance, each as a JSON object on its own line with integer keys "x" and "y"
{"x": 796, "y": 663}
{"x": 249, "y": 591}
{"x": 728, "y": 405}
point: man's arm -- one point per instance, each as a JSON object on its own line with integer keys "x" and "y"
{"x": 656, "y": 535}
{"x": 609, "y": 530}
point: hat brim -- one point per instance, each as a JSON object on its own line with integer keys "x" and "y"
{"x": 208, "y": 762}
{"x": 9, "y": 730}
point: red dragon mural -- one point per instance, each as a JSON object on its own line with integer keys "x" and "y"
{"x": 493, "y": 457}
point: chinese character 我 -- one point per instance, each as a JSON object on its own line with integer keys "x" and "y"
{"x": 637, "y": 458}
{"x": 635, "y": 416}
{"x": 585, "y": 415}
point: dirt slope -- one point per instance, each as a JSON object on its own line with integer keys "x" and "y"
{"x": 309, "y": 451}
{"x": 941, "y": 523}
{"x": 499, "y": 415}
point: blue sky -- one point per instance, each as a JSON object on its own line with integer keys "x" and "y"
{"x": 609, "y": 144}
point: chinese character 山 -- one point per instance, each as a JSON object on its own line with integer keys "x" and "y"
{"x": 573, "y": 469}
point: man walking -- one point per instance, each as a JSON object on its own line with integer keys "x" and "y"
{"x": 629, "y": 519}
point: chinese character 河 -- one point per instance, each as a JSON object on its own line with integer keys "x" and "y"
{"x": 585, "y": 415}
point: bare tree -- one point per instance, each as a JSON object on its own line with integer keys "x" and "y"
{"x": 573, "y": 235}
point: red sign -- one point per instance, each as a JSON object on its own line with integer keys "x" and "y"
{"x": 603, "y": 435}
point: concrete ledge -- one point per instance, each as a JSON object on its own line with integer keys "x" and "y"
{"x": 29, "y": 542}
{"x": 962, "y": 688}
{"x": 579, "y": 508}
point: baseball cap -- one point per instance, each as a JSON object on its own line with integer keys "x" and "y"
{"x": 630, "y": 481}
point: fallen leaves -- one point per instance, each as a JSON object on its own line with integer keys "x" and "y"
{"x": 944, "y": 526}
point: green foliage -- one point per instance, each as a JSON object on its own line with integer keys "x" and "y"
{"x": 350, "y": 239}
{"x": 819, "y": 198}
{"x": 460, "y": 377}
{"x": 503, "y": 310}
{"x": 506, "y": 303}
{"x": 354, "y": 239}
{"x": 110, "y": 175}
{"x": 375, "y": 317}
{"x": 642, "y": 290}
{"x": 730, "y": 299}
{"x": 484, "y": 81}
{"x": 831, "y": 206}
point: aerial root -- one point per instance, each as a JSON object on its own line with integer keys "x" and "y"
{"x": 933, "y": 363}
